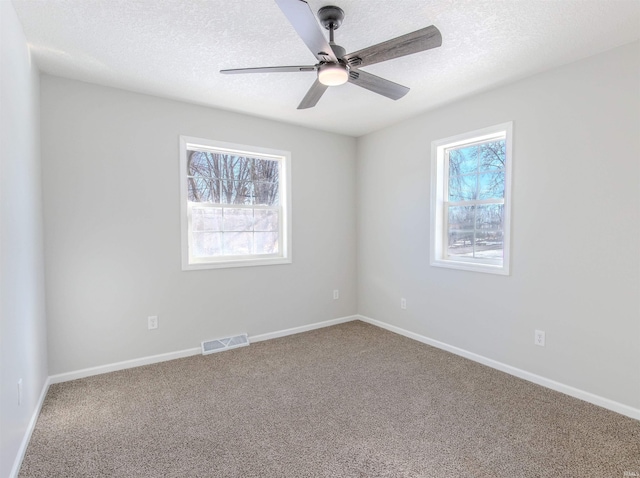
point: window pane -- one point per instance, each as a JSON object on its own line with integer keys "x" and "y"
{"x": 266, "y": 220}
{"x": 489, "y": 244}
{"x": 491, "y": 185}
{"x": 199, "y": 190}
{"x": 202, "y": 164}
{"x": 215, "y": 164}
{"x": 490, "y": 216}
{"x": 266, "y": 170}
{"x": 463, "y": 188}
{"x": 233, "y": 167}
{"x": 236, "y": 192}
{"x": 492, "y": 155}
{"x": 460, "y": 243}
{"x": 266, "y": 243}
{"x": 461, "y": 217}
{"x": 207, "y": 244}
{"x": 461, "y": 222}
{"x": 266, "y": 194}
{"x": 238, "y": 220}
{"x": 206, "y": 219}
{"x": 238, "y": 243}
{"x": 463, "y": 160}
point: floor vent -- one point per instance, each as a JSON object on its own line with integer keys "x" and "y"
{"x": 227, "y": 343}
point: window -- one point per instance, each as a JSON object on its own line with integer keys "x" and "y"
{"x": 235, "y": 205}
{"x": 470, "y": 200}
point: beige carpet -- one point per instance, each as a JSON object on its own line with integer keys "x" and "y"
{"x": 346, "y": 401}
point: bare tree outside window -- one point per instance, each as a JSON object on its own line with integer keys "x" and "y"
{"x": 228, "y": 179}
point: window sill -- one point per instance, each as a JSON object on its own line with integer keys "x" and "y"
{"x": 236, "y": 263}
{"x": 471, "y": 266}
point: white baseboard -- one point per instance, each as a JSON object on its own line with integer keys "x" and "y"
{"x": 303, "y": 328}
{"x": 531, "y": 377}
{"x": 29, "y": 431}
{"x": 88, "y": 372}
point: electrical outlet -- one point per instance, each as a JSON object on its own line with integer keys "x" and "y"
{"x": 403, "y": 303}
{"x": 539, "y": 338}
{"x": 152, "y": 321}
{"x": 19, "y": 392}
{"x": 336, "y": 294}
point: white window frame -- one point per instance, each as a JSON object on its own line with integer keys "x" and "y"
{"x": 283, "y": 256}
{"x": 439, "y": 194}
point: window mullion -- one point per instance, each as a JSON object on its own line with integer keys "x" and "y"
{"x": 445, "y": 230}
{"x": 479, "y": 202}
{"x": 475, "y": 222}
{"x": 445, "y": 187}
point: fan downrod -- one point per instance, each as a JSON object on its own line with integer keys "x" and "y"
{"x": 331, "y": 17}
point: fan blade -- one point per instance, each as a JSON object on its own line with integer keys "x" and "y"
{"x": 377, "y": 85}
{"x": 313, "y": 95}
{"x": 304, "y": 22}
{"x": 270, "y": 69}
{"x": 408, "y": 44}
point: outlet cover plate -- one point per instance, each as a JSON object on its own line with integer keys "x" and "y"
{"x": 538, "y": 338}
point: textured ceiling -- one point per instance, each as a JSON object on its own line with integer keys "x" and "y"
{"x": 175, "y": 48}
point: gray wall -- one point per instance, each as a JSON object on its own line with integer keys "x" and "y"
{"x": 23, "y": 353}
{"x": 112, "y": 229}
{"x": 575, "y": 235}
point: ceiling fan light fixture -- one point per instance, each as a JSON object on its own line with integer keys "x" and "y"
{"x": 333, "y": 74}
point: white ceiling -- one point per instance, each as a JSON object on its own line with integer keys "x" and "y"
{"x": 175, "y": 49}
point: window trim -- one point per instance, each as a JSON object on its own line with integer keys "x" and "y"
{"x": 438, "y": 189}
{"x": 285, "y": 257}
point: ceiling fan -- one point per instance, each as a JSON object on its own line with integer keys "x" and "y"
{"x": 335, "y": 66}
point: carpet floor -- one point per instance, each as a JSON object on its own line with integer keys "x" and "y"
{"x": 351, "y": 400}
